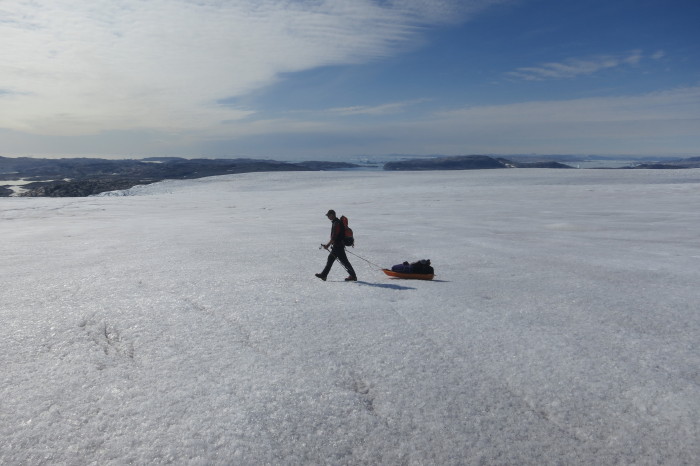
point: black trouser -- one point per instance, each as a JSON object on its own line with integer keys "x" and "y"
{"x": 338, "y": 251}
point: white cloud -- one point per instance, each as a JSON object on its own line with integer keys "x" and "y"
{"x": 574, "y": 67}
{"x": 81, "y": 67}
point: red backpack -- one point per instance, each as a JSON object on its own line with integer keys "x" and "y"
{"x": 349, "y": 240}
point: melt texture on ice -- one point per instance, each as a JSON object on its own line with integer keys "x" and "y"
{"x": 181, "y": 322}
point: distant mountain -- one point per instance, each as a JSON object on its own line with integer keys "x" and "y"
{"x": 691, "y": 162}
{"x": 76, "y": 177}
{"x": 462, "y": 162}
{"x": 539, "y": 164}
{"x": 467, "y": 162}
{"x": 481, "y": 162}
{"x": 685, "y": 163}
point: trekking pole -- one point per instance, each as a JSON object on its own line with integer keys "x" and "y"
{"x": 335, "y": 258}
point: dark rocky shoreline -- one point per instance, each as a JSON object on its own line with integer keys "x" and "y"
{"x": 79, "y": 177}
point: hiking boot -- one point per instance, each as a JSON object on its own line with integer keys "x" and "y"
{"x": 351, "y": 279}
{"x": 321, "y": 276}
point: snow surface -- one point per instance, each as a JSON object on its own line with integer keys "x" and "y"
{"x": 181, "y": 322}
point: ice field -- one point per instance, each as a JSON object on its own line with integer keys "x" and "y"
{"x": 182, "y": 323}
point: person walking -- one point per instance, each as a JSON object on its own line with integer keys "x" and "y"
{"x": 337, "y": 245}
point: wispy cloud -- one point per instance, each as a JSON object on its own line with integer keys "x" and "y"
{"x": 643, "y": 124}
{"x": 672, "y": 105}
{"x": 377, "y": 110}
{"x": 658, "y": 55}
{"x": 573, "y": 67}
{"x": 79, "y": 67}
{"x": 657, "y": 123}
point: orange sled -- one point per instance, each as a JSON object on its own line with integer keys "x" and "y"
{"x": 409, "y": 276}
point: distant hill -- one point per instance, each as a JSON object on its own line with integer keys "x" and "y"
{"x": 693, "y": 162}
{"x": 77, "y": 177}
{"x": 462, "y": 162}
{"x": 467, "y": 162}
{"x": 538, "y": 164}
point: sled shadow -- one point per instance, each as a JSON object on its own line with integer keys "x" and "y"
{"x": 386, "y": 285}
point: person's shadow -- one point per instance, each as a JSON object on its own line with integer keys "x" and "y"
{"x": 386, "y": 285}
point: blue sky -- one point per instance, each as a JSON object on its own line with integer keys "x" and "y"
{"x": 338, "y": 79}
